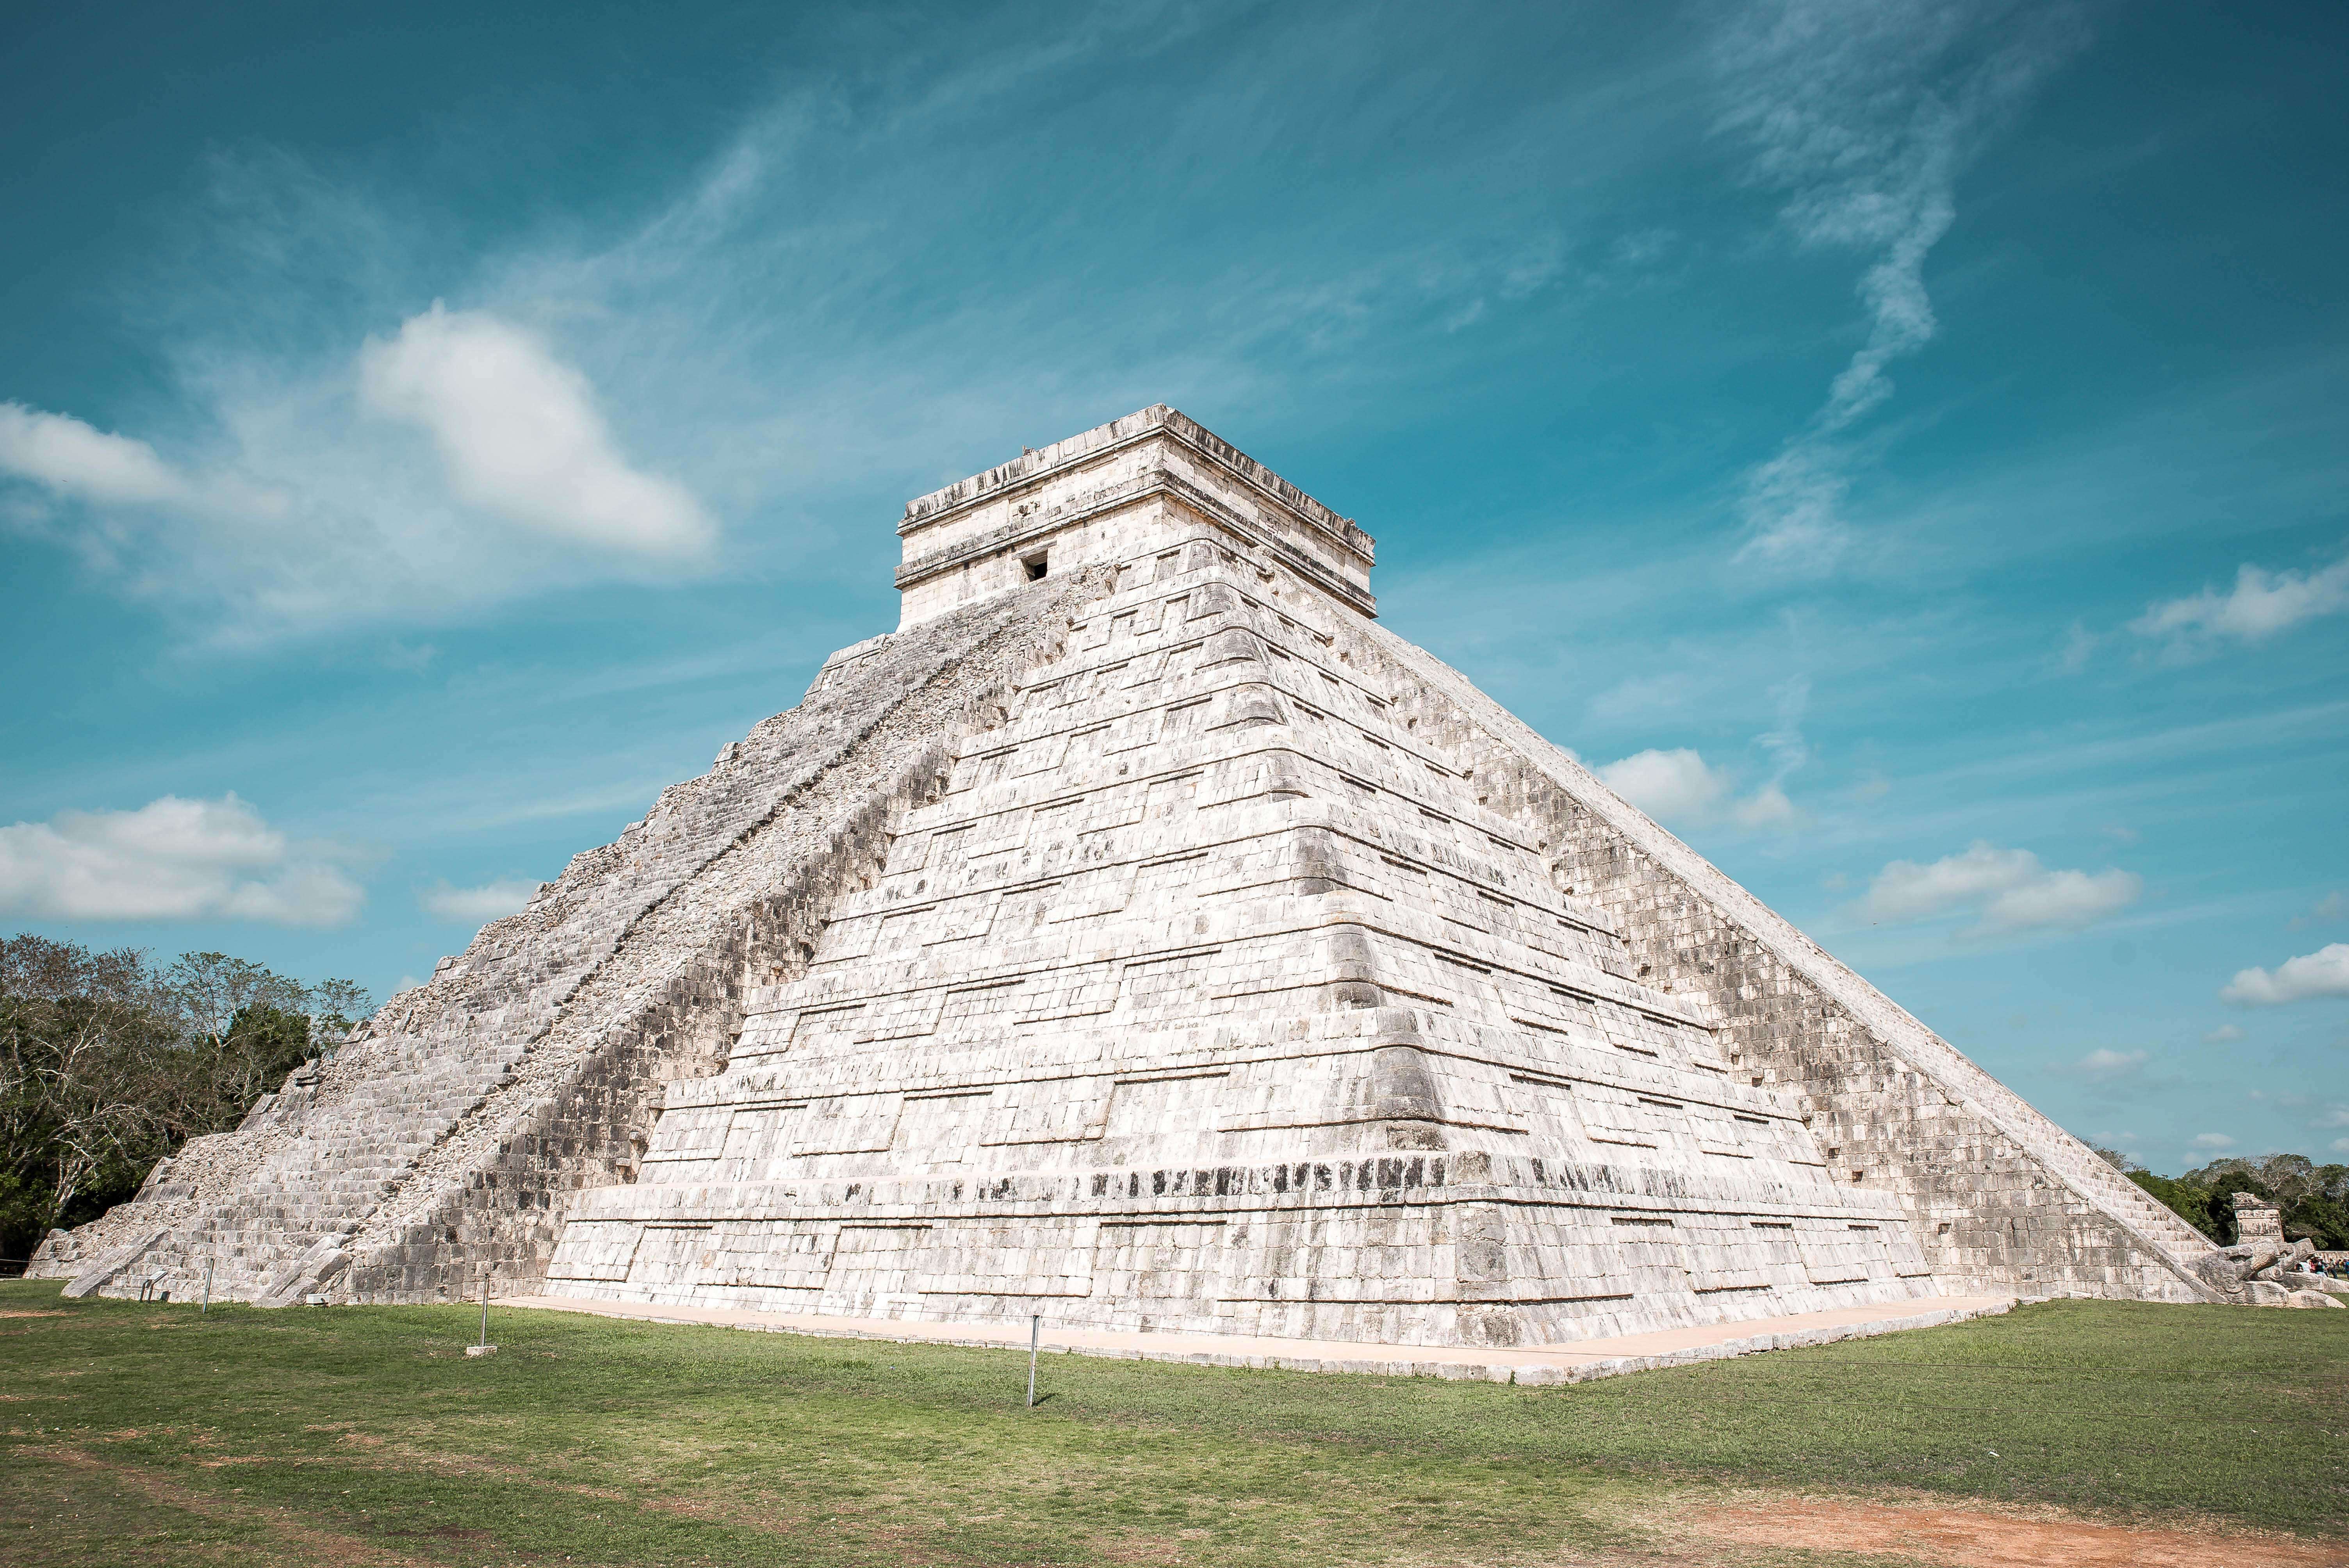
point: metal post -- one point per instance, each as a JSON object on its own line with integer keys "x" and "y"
{"x": 485, "y": 1307}
{"x": 1035, "y": 1332}
{"x": 205, "y": 1310}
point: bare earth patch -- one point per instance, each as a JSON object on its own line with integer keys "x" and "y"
{"x": 327, "y": 1548}
{"x": 1970, "y": 1538}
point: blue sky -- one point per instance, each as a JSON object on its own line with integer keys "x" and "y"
{"x": 1902, "y": 443}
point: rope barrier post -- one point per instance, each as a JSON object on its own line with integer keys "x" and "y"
{"x": 1035, "y": 1333}
{"x": 206, "y": 1310}
{"x": 482, "y": 1272}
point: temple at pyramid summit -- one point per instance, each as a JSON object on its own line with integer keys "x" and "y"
{"x": 1144, "y": 935}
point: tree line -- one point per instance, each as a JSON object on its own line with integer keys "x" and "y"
{"x": 108, "y": 1062}
{"x": 2312, "y": 1199}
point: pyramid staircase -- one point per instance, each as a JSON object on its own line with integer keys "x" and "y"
{"x": 1143, "y": 930}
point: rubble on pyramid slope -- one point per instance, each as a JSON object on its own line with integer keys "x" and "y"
{"x": 454, "y": 1126}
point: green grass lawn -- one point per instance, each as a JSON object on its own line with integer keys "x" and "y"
{"x": 141, "y": 1434}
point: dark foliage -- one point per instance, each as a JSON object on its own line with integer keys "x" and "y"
{"x": 106, "y": 1065}
{"x": 2314, "y": 1198}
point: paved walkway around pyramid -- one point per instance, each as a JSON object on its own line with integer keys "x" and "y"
{"x": 1533, "y": 1366}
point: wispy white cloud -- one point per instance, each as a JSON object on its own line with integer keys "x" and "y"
{"x": 2009, "y": 891}
{"x": 172, "y": 860}
{"x": 2079, "y": 644}
{"x": 2324, "y": 973}
{"x": 71, "y": 459}
{"x": 2213, "y": 1142}
{"x": 2104, "y": 1065}
{"x": 2261, "y": 604}
{"x": 1768, "y": 807}
{"x": 1641, "y": 699}
{"x": 2332, "y": 906}
{"x": 1863, "y": 113}
{"x": 1787, "y": 750}
{"x": 307, "y": 487}
{"x": 1680, "y": 786}
{"x": 1677, "y": 786}
{"x": 520, "y": 436}
{"x": 2224, "y": 1034}
{"x": 474, "y": 905}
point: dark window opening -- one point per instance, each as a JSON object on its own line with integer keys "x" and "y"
{"x": 1037, "y": 566}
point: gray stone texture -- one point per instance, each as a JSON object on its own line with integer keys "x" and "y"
{"x": 1144, "y": 935}
{"x": 458, "y": 1123}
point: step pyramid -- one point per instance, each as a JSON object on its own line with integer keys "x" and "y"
{"x": 1143, "y": 934}
{"x": 1225, "y": 983}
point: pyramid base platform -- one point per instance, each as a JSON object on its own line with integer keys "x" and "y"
{"x": 1535, "y": 1365}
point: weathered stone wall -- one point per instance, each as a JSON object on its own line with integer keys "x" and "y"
{"x": 1999, "y": 1198}
{"x": 1208, "y": 997}
{"x": 1419, "y": 1033}
{"x": 454, "y": 1128}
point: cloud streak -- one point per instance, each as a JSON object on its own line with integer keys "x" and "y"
{"x": 2009, "y": 891}
{"x": 1680, "y": 786}
{"x": 1862, "y": 114}
{"x": 2106, "y": 1065}
{"x": 312, "y": 486}
{"x": 520, "y": 436}
{"x": 71, "y": 459}
{"x": 2261, "y": 604}
{"x": 172, "y": 860}
{"x": 474, "y": 905}
{"x": 2324, "y": 973}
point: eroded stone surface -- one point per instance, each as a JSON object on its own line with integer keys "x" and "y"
{"x": 1143, "y": 934}
{"x": 461, "y": 1121}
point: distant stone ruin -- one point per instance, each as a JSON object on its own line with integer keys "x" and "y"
{"x": 2258, "y": 1270}
{"x": 1143, "y": 934}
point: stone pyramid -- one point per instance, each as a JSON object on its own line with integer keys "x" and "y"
{"x": 1143, "y": 934}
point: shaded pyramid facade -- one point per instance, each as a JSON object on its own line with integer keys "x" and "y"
{"x": 1142, "y": 935}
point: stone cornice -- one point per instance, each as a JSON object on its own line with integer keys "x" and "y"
{"x": 1158, "y": 421}
{"x": 1157, "y": 482}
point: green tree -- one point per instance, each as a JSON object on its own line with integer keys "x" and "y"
{"x": 87, "y": 1077}
{"x": 107, "y": 1066}
{"x": 2188, "y": 1203}
{"x": 2312, "y": 1200}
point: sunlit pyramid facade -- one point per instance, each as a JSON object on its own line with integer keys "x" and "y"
{"x": 1227, "y": 979}
{"x": 1142, "y": 935}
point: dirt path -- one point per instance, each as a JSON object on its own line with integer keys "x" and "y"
{"x": 307, "y": 1544}
{"x": 1969, "y": 1538}
{"x": 1711, "y": 1528}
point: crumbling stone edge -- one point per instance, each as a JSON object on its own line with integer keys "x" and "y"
{"x": 1964, "y": 1083}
